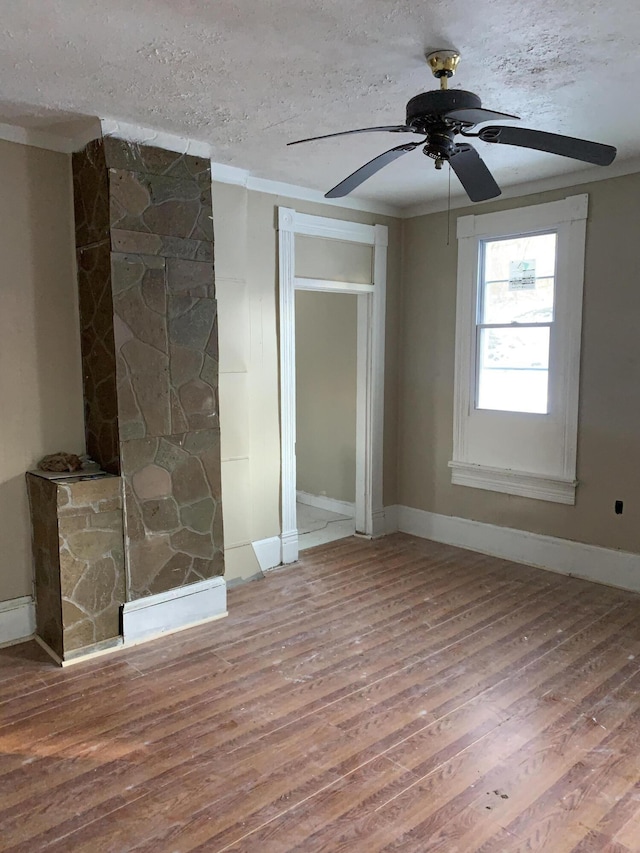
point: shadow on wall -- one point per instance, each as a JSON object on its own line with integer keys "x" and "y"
{"x": 55, "y": 309}
{"x": 15, "y": 566}
{"x": 40, "y": 372}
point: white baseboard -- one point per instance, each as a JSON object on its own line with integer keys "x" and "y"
{"x": 174, "y": 610}
{"x": 17, "y": 620}
{"x": 329, "y": 504}
{"x": 268, "y": 552}
{"x": 591, "y": 562}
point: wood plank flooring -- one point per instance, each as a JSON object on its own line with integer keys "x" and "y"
{"x": 396, "y": 695}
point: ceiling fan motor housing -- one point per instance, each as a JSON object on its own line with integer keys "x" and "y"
{"x": 429, "y": 107}
{"x": 428, "y": 114}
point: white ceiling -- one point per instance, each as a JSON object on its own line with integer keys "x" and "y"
{"x": 247, "y": 76}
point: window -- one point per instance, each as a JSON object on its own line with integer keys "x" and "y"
{"x": 515, "y": 315}
{"x": 519, "y": 309}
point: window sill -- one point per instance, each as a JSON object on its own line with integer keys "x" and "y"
{"x": 522, "y": 483}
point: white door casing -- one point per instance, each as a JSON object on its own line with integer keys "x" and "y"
{"x": 370, "y": 366}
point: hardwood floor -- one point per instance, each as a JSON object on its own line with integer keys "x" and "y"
{"x": 391, "y": 695}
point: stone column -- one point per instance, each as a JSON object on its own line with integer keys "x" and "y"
{"x": 144, "y": 234}
{"x": 93, "y": 248}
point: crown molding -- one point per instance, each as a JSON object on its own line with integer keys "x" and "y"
{"x": 242, "y": 177}
{"x": 229, "y": 174}
{"x": 36, "y": 138}
{"x": 159, "y": 138}
{"x": 50, "y": 141}
{"x": 569, "y": 179}
{"x": 299, "y": 193}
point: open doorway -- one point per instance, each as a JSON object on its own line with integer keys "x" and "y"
{"x": 326, "y": 415}
{"x": 370, "y": 313}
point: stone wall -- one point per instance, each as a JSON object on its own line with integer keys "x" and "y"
{"x": 150, "y": 352}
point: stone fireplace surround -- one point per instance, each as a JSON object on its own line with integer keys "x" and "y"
{"x": 148, "y": 318}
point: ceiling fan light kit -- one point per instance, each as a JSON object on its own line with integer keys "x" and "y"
{"x": 442, "y": 114}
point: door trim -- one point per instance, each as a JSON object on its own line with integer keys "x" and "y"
{"x": 370, "y": 366}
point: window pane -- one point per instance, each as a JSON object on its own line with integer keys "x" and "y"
{"x": 518, "y": 280}
{"x": 513, "y": 369}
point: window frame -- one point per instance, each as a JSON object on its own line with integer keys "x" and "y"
{"x": 480, "y": 325}
{"x": 539, "y": 478}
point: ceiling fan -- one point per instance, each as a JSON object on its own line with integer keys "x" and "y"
{"x": 441, "y": 115}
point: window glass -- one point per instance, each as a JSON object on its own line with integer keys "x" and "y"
{"x": 513, "y": 369}
{"x": 517, "y": 283}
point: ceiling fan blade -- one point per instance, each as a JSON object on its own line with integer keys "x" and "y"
{"x": 566, "y": 146}
{"x": 402, "y": 128}
{"x": 473, "y": 174}
{"x": 364, "y": 172}
{"x": 476, "y": 115}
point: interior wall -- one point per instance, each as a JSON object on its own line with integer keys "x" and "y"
{"x": 609, "y": 414}
{"x": 326, "y": 389}
{"x": 239, "y": 338}
{"x": 335, "y": 260}
{"x": 245, "y": 226}
{"x": 40, "y": 366}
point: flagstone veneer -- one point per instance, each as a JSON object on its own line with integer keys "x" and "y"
{"x": 79, "y": 562}
{"x": 174, "y": 513}
{"x": 91, "y": 206}
{"x": 144, "y": 233}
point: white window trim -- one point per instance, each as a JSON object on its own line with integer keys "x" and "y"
{"x": 568, "y": 218}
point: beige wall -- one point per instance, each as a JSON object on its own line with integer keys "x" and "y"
{"x": 326, "y": 377}
{"x": 40, "y": 371}
{"x": 335, "y": 260}
{"x": 246, "y": 285}
{"x": 609, "y": 417}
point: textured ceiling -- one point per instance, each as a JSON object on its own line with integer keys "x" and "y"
{"x": 249, "y": 75}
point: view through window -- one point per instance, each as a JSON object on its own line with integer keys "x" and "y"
{"x": 515, "y": 317}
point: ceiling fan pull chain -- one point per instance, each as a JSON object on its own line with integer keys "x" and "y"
{"x": 449, "y": 208}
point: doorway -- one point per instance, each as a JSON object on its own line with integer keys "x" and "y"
{"x": 326, "y": 412}
{"x": 370, "y": 314}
